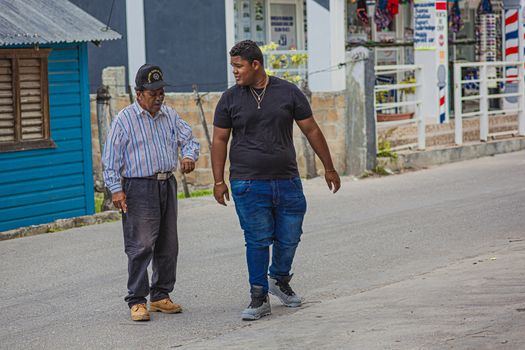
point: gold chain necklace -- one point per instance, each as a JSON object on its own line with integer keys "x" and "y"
{"x": 259, "y": 97}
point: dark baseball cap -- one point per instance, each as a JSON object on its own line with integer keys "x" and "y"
{"x": 149, "y": 77}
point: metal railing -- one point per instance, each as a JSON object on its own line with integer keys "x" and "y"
{"x": 488, "y": 77}
{"x": 397, "y": 105}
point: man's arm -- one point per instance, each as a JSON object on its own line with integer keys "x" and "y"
{"x": 189, "y": 145}
{"x": 316, "y": 139}
{"x": 218, "y": 161}
{"x": 112, "y": 163}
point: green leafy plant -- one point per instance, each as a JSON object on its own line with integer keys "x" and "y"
{"x": 276, "y": 61}
{"x": 384, "y": 147}
{"x": 99, "y": 198}
{"x": 198, "y": 193}
{"x": 411, "y": 89}
{"x": 380, "y": 170}
{"x": 384, "y": 150}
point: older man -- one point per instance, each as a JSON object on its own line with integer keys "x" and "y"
{"x": 140, "y": 155}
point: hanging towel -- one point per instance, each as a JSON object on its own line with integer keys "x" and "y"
{"x": 393, "y": 7}
{"x": 361, "y": 12}
{"x": 486, "y": 6}
{"x": 382, "y": 16}
{"x": 454, "y": 17}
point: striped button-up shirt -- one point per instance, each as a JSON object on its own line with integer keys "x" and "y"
{"x": 139, "y": 145}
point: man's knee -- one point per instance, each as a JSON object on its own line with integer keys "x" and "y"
{"x": 139, "y": 249}
{"x": 259, "y": 243}
{"x": 288, "y": 242}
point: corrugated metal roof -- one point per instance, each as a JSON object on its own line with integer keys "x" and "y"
{"x": 48, "y": 21}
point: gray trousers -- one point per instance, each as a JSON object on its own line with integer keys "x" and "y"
{"x": 150, "y": 233}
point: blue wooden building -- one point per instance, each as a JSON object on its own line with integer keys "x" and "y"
{"x": 45, "y": 130}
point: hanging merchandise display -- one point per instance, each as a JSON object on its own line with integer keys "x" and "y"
{"x": 393, "y": 7}
{"x": 486, "y": 7}
{"x": 487, "y": 43}
{"x": 382, "y": 16}
{"x": 361, "y": 12}
{"x": 486, "y": 33}
{"x": 487, "y": 38}
{"x": 454, "y": 17}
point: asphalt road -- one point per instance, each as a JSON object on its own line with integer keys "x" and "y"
{"x": 65, "y": 290}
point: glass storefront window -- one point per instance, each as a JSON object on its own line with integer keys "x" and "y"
{"x": 250, "y": 21}
{"x": 283, "y": 26}
{"x": 356, "y": 29}
{"x": 264, "y": 21}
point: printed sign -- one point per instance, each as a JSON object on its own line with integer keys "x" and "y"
{"x": 424, "y": 25}
{"x": 442, "y": 73}
{"x": 283, "y": 26}
{"x": 441, "y": 28}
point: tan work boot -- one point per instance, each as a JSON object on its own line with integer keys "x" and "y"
{"x": 139, "y": 312}
{"x": 165, "y": 305}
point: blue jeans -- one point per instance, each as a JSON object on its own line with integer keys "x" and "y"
{"x": 270, "y": 212}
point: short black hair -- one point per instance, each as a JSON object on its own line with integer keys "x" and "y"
{"x": 248, "y": 50}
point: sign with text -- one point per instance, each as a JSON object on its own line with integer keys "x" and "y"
{"x": 283, "y": 26}
{"x": 442, "y": 30}
{"x": 424, "y": 25}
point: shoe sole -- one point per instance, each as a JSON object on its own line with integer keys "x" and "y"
{"x": 140, "y": 318}
{"x": 254, "y": 318}
{"x": 156, "y": 309}
{"x": 284, "y": 303}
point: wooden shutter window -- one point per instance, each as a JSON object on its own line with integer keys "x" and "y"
{"x": 24, "y": 106}
{"x": 7, "y": 112}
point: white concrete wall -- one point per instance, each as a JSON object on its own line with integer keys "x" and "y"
{"x": 326, "y": 45}
{"x": 136, "y": 37}
{"x": 318, "y": 19}
{"x": 230, "y": 37}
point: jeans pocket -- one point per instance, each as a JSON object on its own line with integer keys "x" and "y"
{"x": 126, "y": 185}
{"x": 297, "y": 184}
{"x": 240, "y": 187}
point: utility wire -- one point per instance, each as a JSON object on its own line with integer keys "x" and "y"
{"x": 218, "y": 83}
{"x": 110, "y": 13}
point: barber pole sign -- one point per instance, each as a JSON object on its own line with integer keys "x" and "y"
{"x": 442, "y": 106}
{"x": 511, "y": 42}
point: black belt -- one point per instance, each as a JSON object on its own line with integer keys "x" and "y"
{"x": 158, "y": 176}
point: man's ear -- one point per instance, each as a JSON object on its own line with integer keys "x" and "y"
{"x": 257, "y": 65}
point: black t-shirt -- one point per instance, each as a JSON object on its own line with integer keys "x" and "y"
{"x": 262, "y": 142}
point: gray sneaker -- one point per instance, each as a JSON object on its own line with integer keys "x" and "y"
{"x": 259, "y": 306}
{"x": 282, "y": 290}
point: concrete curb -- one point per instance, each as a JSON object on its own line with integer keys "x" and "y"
{"x": 406, "y": 160}
{"x": 62, "y": 224}
{"x": 433, "y": 157}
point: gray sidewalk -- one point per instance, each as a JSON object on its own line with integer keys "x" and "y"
{"x": 397, "y": 262}
{"x": 476, "y": 303}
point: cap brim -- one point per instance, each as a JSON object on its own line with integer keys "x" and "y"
{"x": 156, "y": 85}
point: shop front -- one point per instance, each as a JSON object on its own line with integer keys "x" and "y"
{"x": 432, "y": 35}
{"x": 306, "y": 37}
{"x": 278, "y": 26}
{"x": 265, "y": 21}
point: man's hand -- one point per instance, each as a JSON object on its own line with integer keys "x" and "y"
{"x": 119, "y": 201}
{"x": 220, "y": 192}
{"x": 187, "y": 165}
{"x": 332, "y": 180}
